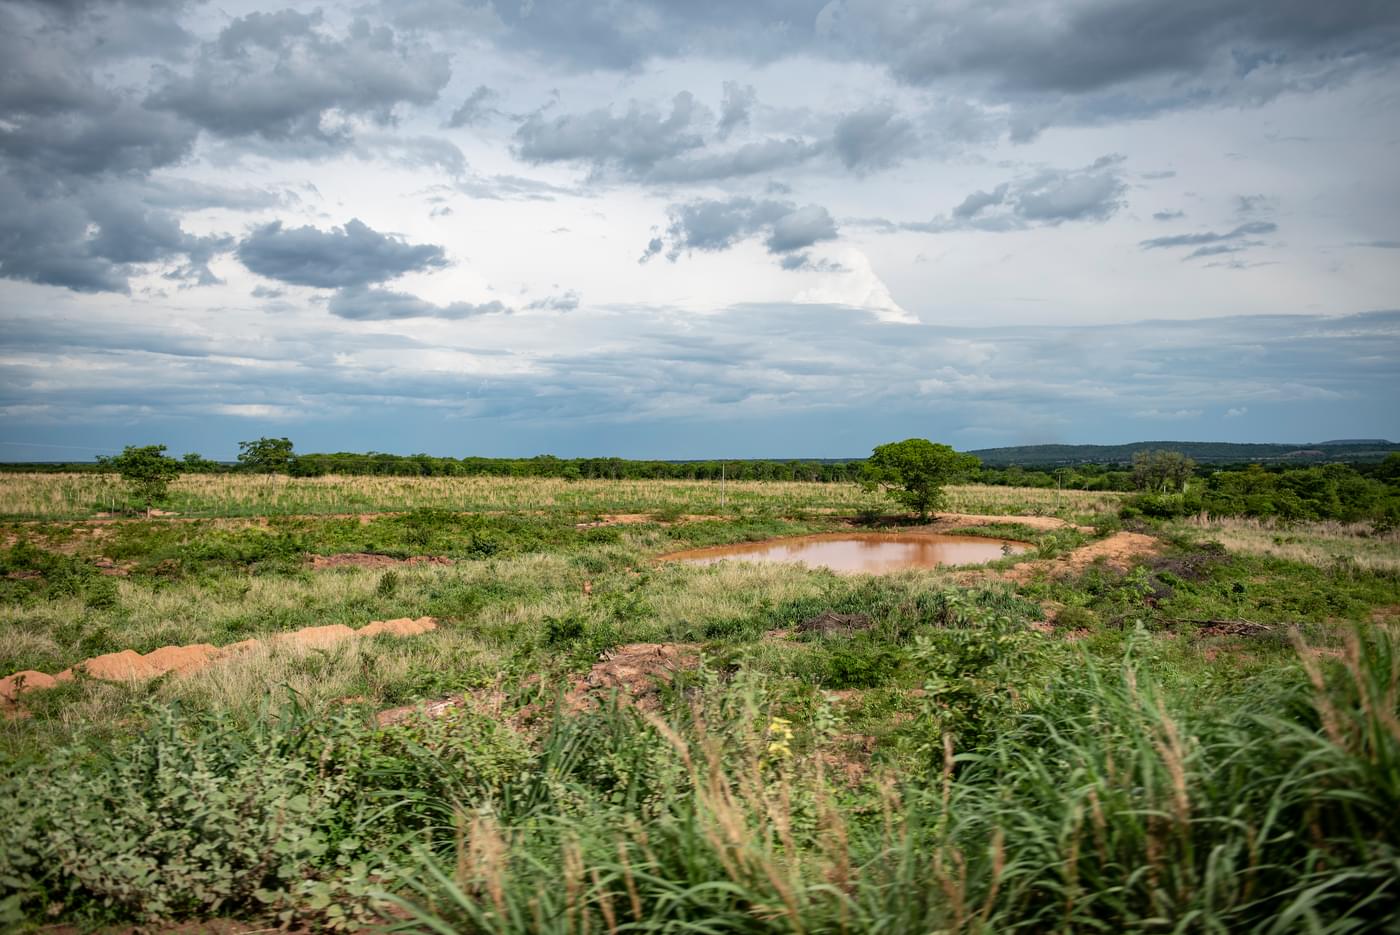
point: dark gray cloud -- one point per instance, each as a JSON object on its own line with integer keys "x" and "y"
{"x": 1066, "y": 62}
{"x": 354, "y": 255}
{"x": 874, "y": 138}
{"x": 77, "y": 153}
{"x": 1255, "y": 205}
{"x": 1043, "y": 199}
{"x": 57, "y": 119}
{"x": 1168, "y": 215}
{"x": 676, "y": 146}
{"x": 93, "y": 236}
{"x": 109, "y": 134}
{"x": 648, "y": 144}
{"x": 476, "y": 109}
{"x": 630, "y": 143}
{"x": 735, "y": 107}
{"x": 771, "y": 155}
{"x": 714, "y": 225}
{"x": 1220, "y": 249}
{"x": 358, "y": 303}
{"x": 1250, "y": 229}
{"x": 1095, "y": 45}
{"x": 583, "y": 34}
{"x": 806, "y": 263}
{"x": 281, "y": 75}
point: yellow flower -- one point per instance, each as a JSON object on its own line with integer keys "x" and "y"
{"x": 780, "y": 738}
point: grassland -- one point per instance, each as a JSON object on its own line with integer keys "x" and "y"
{"x": 1204, "y": 739}
{"x": 80, "y": 496}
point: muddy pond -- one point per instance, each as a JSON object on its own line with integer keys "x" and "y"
{"x": 867, "y": 553}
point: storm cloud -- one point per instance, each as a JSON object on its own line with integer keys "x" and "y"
{"x": 715, "y": 225}
{"x": 361, "y": 304}
{"x": 280, "y": 75}
{"x": 1251, "y": 229}
{"x": 353, "y": 255}
{"x": 376, "y": 221}
{"x": 1046, "y": 198}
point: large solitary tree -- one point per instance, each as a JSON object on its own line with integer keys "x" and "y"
{"x": 914, "y": 471}
{"x": 266, "y": 455}
{"x": 147, "y": 472}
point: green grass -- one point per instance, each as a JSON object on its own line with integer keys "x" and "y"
{"x": 1135, "y": 751}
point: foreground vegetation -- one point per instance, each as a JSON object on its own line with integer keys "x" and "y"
{"x": 1204, "y": 741}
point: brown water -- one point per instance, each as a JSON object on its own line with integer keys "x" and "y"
{"x": 869, "y": 553}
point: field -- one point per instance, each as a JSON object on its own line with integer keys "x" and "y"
{"x": 1189, "y": 726}
{"x": 81, "y": 496}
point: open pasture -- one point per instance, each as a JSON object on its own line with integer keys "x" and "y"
{"x": 81, "y": 496}
{"x": 1115, "y": 728}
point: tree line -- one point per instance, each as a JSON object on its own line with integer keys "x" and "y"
{"x": 1167, "y": 483}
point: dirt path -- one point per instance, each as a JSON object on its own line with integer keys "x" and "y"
{"x": 131, "y": 666}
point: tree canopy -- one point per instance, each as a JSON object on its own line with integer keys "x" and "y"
{"x": 913, "y": 472}
{"x": 266, "y": 455}
{"x": 147, "y": 472}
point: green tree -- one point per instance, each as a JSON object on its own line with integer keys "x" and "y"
{"x": 1161, "y": 471}
{"x": 147, "y": 472}
{"x": 196, "y": 463}
{"x": 913, "y": 472}
{"x": 266, "y": 455}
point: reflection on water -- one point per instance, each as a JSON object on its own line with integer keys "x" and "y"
{"x": 871, "y": 553}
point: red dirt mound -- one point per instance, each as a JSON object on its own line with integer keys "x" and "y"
{"x": 635, "y": 671}
{"x": 11, "y": 686}
{"x": 131, "y": 666}
{"x": 402, "y": 626}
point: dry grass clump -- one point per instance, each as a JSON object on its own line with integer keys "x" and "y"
{"x": 1321, "y": 543}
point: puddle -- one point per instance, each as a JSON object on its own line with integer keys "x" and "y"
{"x": 868, "y": 553}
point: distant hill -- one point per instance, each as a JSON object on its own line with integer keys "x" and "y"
{"x": 1351, "y": 449}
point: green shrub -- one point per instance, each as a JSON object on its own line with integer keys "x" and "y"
{"x": 1075, "y": 617}
{"x": 188, "y": 820}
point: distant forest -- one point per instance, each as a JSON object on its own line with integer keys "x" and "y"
{"x": 1351, "y": 451}
{"x": 1341, "y": 480}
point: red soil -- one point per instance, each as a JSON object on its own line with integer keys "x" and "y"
{"x": 635, "y": 671}
{"x": 131, "y": 666}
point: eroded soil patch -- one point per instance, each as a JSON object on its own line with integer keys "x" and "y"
{"x": 1119, "y": 551}
{"x": 131, "y": 666}
{"x": 636, "y": 671}
{"x": 373, "y": 560}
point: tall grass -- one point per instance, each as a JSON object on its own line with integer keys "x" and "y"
{"x": 1109, "y": 803}
{"x": 1112, "y": 807}
{"x": 72, "y": 496}
{"x": 1315, "y": 543}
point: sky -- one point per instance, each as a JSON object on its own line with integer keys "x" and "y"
{"x": 665, "y": 229}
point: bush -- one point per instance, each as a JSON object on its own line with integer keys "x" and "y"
{"x": 188, "y": 820}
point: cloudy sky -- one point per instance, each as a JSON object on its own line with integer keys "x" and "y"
{"x": 673, "y": 229}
